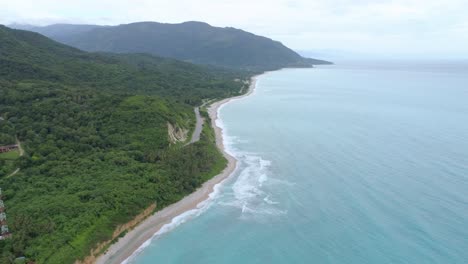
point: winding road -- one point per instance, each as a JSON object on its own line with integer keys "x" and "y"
{"x": 198, "y": 126}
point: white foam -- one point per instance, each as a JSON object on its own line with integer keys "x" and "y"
{"x": 178, "y": 220}
{"x": 250, "y": 192}
{"x": 243, "y": 189}
{"x": 268, "y": 201}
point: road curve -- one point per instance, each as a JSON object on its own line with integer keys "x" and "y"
{"x": 198, "y": 127}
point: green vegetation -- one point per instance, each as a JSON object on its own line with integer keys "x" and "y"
{"x": 8, "y": 162}
{"x": 94, "y": 130}
{"x": 190, "y": 41}
{"x": 7, "y": 132}
{"x": 12, "y": 155}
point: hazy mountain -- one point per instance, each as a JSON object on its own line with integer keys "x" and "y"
{"x": 58, "y": 32}
{"x": 28, "y": 55}
{"x": 195, "y": 42}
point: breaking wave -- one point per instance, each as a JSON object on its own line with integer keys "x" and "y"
{"x": 178, "y": 220}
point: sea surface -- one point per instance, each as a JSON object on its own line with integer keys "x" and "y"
{"x": 351, "y": 163}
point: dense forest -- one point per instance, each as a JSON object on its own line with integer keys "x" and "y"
{"x": 195, "y": 42}
{"x": 94, "y": 128}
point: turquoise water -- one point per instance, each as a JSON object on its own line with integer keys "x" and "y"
{"x": 338, "y": 164}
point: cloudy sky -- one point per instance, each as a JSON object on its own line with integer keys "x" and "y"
{"x": 434, "y": 28}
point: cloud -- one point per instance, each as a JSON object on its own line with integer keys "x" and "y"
{"x": 358, "y": 25}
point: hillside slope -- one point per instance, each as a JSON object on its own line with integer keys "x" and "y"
{"x": 195, "y": 42}
{"x": 97, "y": 150}
{"x": 57, "y": 32}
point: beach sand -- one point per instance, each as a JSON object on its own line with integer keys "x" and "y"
{"x": 134, "y": 239}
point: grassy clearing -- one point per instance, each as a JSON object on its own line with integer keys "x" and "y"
{"x": 11, "y": 155}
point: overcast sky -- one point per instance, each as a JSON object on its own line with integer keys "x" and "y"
{"x": 398, "y": 27}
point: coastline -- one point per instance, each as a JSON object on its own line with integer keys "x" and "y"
{"x": 136, "y": 239}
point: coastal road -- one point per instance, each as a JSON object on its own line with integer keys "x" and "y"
{"x": 198, "y": 127}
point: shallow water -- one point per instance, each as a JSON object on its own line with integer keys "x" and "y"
{"x": 338, "y": 164}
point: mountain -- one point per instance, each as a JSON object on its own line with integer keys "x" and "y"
{"x": 195, "y": 42}
{"x": 95, "y": 129}
{"x": 27, "y": 55}
{"x": 58, "y": 32}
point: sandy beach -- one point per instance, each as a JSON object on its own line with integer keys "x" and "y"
{"x": 134, "y": 239}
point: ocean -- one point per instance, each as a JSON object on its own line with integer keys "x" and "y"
{"x": 351, "y": 163}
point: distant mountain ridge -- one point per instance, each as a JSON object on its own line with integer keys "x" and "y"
{"x": 195, "y": 42}
{"x": 26, "y": 55}
{"x": 57, "y": 32}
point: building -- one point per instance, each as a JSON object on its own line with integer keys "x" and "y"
{"x": 4, "y": 231}
{"x": 8, "y": 148}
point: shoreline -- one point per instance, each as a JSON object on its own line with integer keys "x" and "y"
{"x": 136, "y": 239}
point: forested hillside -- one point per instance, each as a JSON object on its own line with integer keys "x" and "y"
{"x": 57, "y": 32}
{"x": 190, "y": 41}
{"x": 25, "y": 55}
{"x": 94, "y": 130}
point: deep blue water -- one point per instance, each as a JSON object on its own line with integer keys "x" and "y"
{"x": 339, "y": 164}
